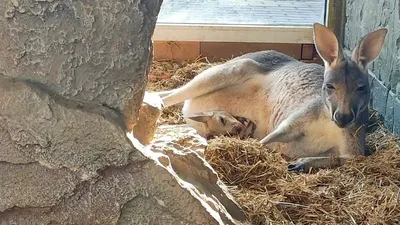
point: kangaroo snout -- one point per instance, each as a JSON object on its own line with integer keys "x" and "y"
{"x": 342, "y": 120}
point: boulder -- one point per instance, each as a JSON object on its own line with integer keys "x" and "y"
{"x": 72, "y": 81}
{"x": 97, "y": 51}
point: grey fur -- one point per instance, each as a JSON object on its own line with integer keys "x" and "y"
{"x": 315, "y": 110}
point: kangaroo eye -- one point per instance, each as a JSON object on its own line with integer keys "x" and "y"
{"x": 222, "y": 120}
{"x": 362, "y": 89}
{"x": 329, "y": 86}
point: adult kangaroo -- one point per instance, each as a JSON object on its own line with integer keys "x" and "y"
{"x": 315, "y": 110}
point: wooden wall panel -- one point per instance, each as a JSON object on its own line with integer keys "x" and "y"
{"x": 177, "y": 50}
{"x": 307, "y": 52}
{"x": 214, "y": 51}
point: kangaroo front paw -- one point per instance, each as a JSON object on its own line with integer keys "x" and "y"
{"x": 242, "y": 120}
{"x": 301, "y": 166}
{"x": 248, "y": 132}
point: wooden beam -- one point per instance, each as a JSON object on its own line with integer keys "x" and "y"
{"x": 176, "y": 50}
{"x": 215, "y": 51}
{"x": 336, "y": 17}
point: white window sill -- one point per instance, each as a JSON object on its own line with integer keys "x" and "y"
{"x": 233, "y": 33}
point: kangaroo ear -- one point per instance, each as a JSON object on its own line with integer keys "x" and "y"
{"x": 369, "y": 48}
{"x": 326, "y": 45}
{"x": 202, "y": 117}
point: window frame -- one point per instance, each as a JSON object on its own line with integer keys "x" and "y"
{"x": 233, "y": 33}
{"x": 333, "y": 18}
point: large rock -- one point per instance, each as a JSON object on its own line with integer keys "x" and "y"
{"x": 94, "y": 51}
{"x": 72, "y": 79}
{"x": 66, "y": 162}
{"x": 180, "y": 150}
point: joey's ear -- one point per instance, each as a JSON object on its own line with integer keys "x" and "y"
{"x": 369, "y": 48}
{"x": 202, "y": 117}
{"x": 327, "y": 45}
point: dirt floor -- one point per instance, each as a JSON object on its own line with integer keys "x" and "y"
{"x": 364, "y": 191}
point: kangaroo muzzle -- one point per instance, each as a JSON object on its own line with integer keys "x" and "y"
{"x": 342, "y": 120}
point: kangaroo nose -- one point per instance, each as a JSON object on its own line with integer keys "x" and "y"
{"x": 342, "y": 120}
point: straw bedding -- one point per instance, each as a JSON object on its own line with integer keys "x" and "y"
{"x": 364, "y": 191}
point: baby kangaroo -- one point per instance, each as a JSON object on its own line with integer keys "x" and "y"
{"x": 215, "y": 123}
{"x": 315, "y": 110}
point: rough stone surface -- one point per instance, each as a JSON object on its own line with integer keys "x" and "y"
{"x": 72, "y": 79}
{"x": 50, "y": 131}
{"x": 149, "y": 113}
{"x": 78, "y": 167}
{"x": 88, "y": 50}
{"x": 363, "y": 17}
{"x": 396, "y": 115}
{"x": 122, "y": 196}
{"x": 33, "y": 188}
{"x": 183, "y": 156}
{"x": 389, "y": 112}
{"x": 379, "y": 96}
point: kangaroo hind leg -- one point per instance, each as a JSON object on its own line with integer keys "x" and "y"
{"x": 162, "y": 94}
{"x": 213, "y": 79}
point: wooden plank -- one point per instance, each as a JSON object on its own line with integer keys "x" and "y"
{"x": 307, "y": 52}
{"x": 335, "y": 17}
{"x": 176, "y": 50}
{"x": 215, "y": 51}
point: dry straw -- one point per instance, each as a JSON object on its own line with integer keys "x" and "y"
{"x": 364, "y": 191}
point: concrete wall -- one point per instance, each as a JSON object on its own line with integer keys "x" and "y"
{"x": 365, "y": 16}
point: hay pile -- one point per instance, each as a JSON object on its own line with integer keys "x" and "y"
{"x": 364, "y": 191}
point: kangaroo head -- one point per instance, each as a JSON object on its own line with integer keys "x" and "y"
{"x": 346, "y": 89}
{"x": 219, "y": 122}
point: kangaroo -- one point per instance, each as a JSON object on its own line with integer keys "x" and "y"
{"x": 315, "y": 111}
{"x": 216, "y": 123}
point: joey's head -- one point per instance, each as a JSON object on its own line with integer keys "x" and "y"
{"x": 218, "y": 122}
{"x": 346, "y": 90}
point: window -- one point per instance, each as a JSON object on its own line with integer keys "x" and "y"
{"x": 284, "y": 21}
